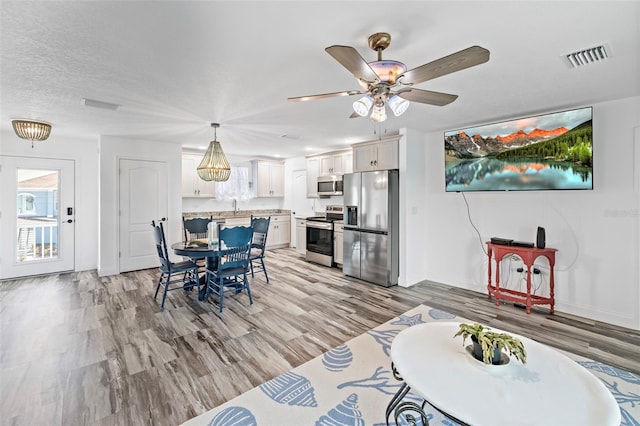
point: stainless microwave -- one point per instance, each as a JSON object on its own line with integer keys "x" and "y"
{"x": 330, "y": 185}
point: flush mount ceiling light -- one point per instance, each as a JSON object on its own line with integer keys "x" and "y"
{"x": 31, "y": 130}
{"x": 214, "y": 165}
{"x": 388, "y": 83}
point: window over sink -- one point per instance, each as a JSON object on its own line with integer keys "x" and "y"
{"x": 238, "y": 186}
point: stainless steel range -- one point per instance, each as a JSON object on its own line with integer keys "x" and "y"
{"x": 320, "y": 235}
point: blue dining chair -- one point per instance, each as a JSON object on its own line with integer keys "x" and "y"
{"x": 196, "y": 228}
{"x": 260, "y": 227}
{"x": 229, "y": 273}
{"x": 185, "y": 273}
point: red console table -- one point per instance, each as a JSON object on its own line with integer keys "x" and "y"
{"x": 528, "y": 256}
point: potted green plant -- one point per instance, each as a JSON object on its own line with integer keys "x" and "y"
{"x": 488, "y": 344}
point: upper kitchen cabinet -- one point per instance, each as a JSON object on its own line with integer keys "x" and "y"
{"x": 376, "y": 155}
{"x": 336, "y": 163}
{"x": 330, "y": 163}
{"x": 268, "y": 178}
{"x": 192, "y": 185}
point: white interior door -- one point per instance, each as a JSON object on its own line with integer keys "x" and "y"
{"x": 143, "y": 198}
{"x": 36, "y": 216}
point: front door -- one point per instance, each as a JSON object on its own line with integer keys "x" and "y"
{"x": 143, "y": 198}
{"x": 36, "y": 216}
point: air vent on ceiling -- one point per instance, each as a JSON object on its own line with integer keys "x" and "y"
{"x": 99, "y": 104}
{"x": 587, "y": 56}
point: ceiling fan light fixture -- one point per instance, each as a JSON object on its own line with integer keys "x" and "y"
{"x": 214, "y": 165}
{"x": 363, "y": 105}
{"x": 31, "y": 130}
{"x": 388, "y": 71}
{"x": 398, "y": 105}
{"x": 379, "y": 113}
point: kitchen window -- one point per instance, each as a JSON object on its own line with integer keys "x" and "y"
{"x": 238, "y": 187}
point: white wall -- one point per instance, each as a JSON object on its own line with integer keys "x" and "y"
{"x": 414, "y": 207}
{"x": 636, "y": 213}
{"x": 84, "y": 152}
{"x": 596, "y": 232}
{"x": 112, "y": 149}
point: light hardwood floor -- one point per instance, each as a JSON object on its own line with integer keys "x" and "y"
{"x": 77, "y": 349}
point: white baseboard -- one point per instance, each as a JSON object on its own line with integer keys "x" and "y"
{"x": 107, "y": 272}
{"x": 597, "y": 315}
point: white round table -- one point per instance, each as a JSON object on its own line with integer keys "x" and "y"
{"x": 550, "y": 389}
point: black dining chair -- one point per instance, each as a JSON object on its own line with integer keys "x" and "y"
{"x": 229, "y": 273}
{"x": 260, "y": 227}
{"x": 185, "y": 272}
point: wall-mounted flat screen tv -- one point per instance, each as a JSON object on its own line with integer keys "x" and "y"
{"x": 542, "y": 152}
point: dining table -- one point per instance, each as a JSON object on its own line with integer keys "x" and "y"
{"x": 199, "y": 249}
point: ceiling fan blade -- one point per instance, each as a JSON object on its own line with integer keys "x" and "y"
{"x": 458, "y": 61}
{"x": 324, "y": 95}
{"x": 351, "y": 60}
{"x": 427, "y": 97}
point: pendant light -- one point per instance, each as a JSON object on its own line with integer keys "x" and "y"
{"x": 214, "y": 165}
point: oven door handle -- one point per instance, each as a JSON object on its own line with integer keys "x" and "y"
{"x": 327, "y": 226}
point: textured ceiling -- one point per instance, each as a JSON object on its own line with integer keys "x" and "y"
{"x": 176, "y": 66}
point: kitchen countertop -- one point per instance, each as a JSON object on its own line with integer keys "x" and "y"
{"x": 237, "y": 214}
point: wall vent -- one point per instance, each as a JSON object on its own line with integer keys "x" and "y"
{"x": 99, "y": 104}
{"x": 587, "y": 56}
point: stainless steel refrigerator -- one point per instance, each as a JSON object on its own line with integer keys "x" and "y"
{"x": 371, "y": 209}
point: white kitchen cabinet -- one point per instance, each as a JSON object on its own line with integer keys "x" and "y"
{"x": 378, "y": 155}
{"x": 279, "y": 232}
{"x": 332, "y": 164}
{"x": 192, "y": 185}
{"x": 301, "y": 236}
{"x": 348, "y": 162}
{"x": 313, "y": 171}
{"x": 336, "y": 163}
{"x": 338, "y": 239}
{"x": 269, "y": 178}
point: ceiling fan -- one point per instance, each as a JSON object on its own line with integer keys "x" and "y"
{"x": 386, "y": 82}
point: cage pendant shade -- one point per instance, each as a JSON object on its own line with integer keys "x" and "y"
{"x": 31, "y": 130}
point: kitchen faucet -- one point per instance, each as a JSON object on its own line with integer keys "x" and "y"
{"x": 235, "y": 206}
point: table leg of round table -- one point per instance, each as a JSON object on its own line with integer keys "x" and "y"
{"x": 395, "y": 402}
